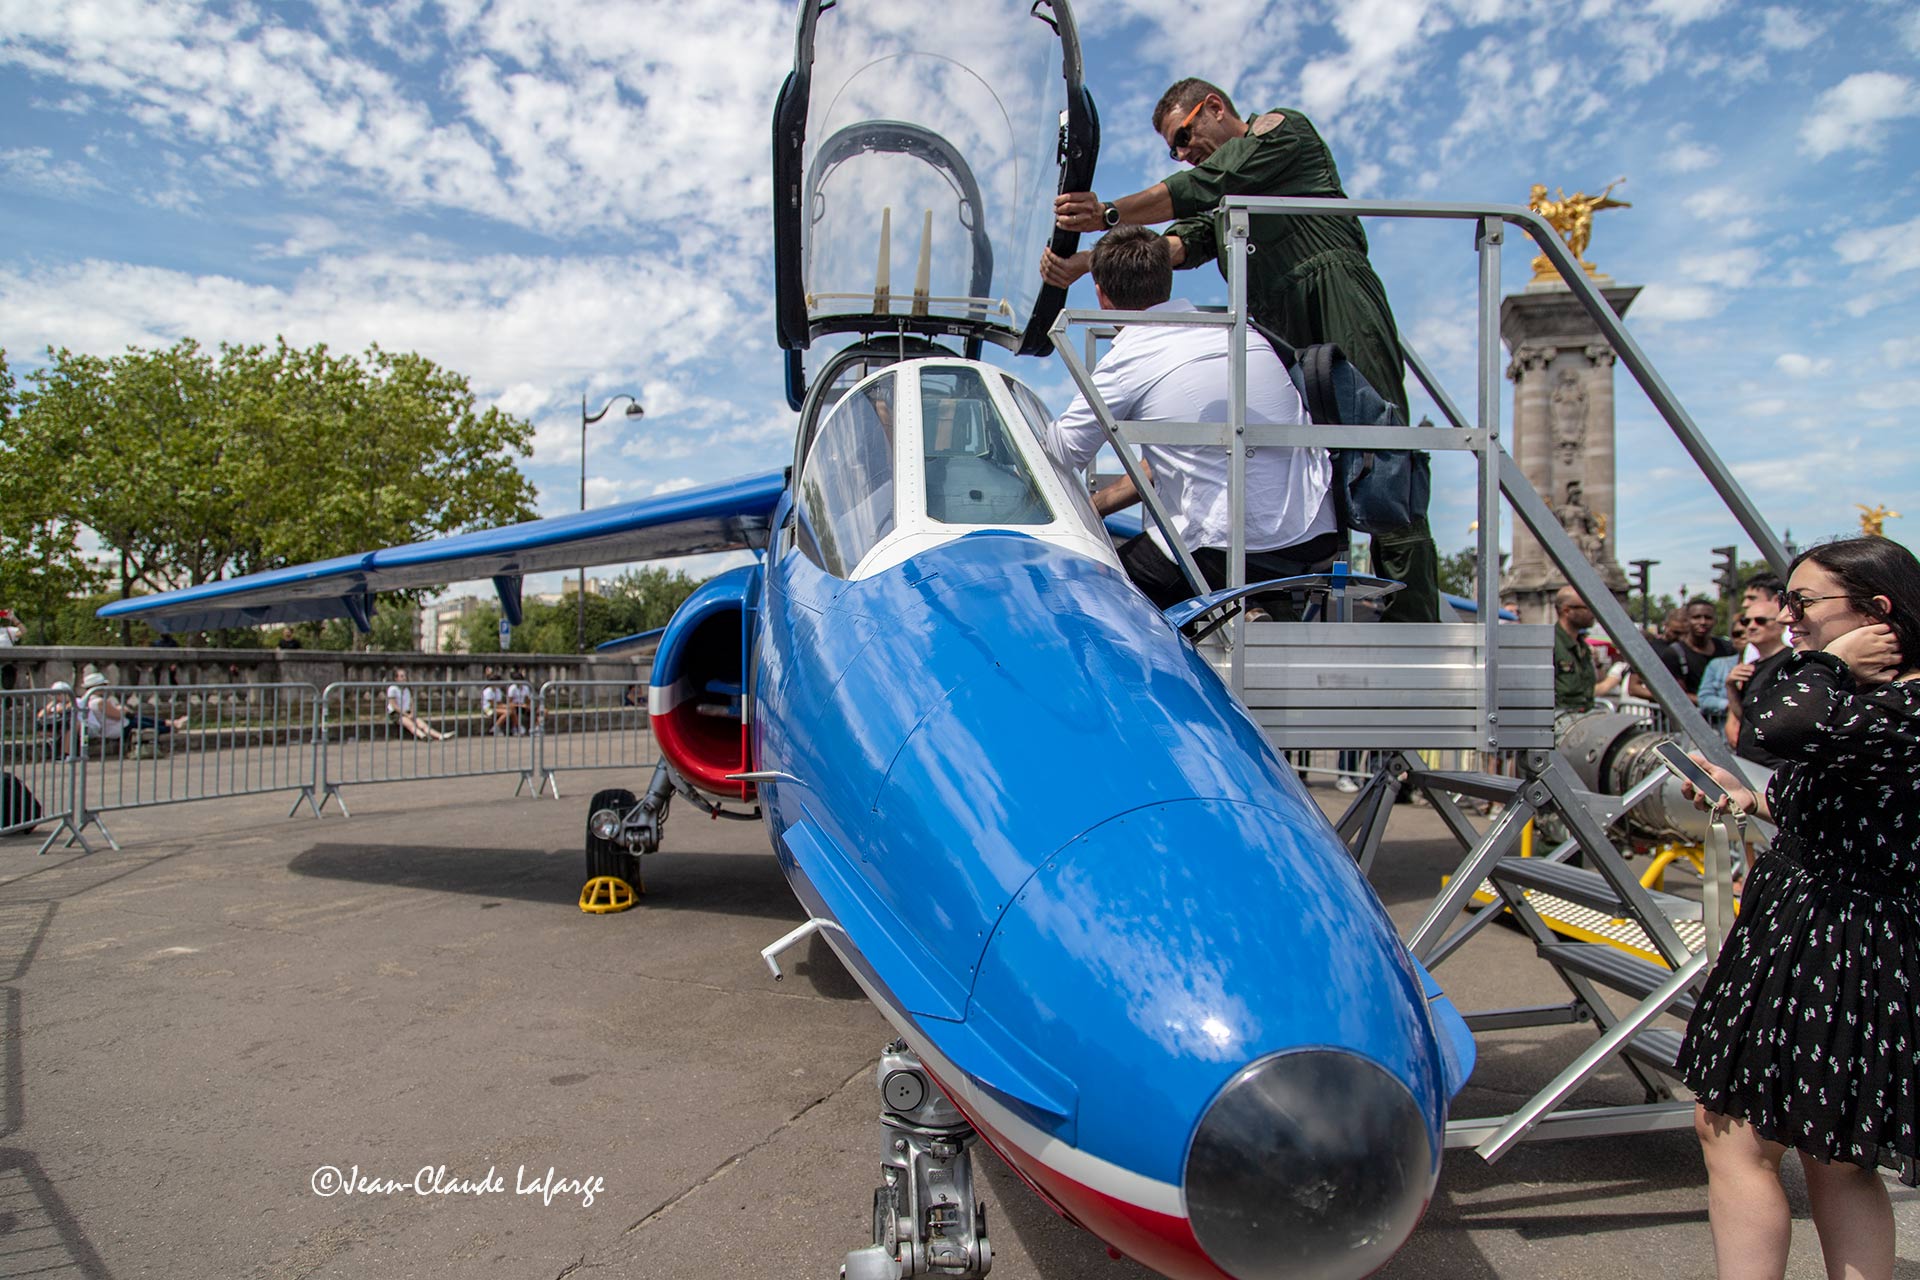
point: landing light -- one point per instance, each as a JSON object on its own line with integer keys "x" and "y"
{"x": 606, "y": 824}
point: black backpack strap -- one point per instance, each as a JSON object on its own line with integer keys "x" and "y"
{"x": 1323, "y": 401}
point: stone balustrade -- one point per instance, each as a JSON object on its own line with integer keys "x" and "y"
{"x": 36, "y": 667}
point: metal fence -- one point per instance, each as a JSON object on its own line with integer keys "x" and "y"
{"x": 592, "y": 724}
{"x": 403, "y": 731}
{"x": 145, "y": 746}
{"x": 115, "y": 748}
{"x": 39, "y": 737}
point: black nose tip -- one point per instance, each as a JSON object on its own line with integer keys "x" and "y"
{"x": 1313, "y": 1163}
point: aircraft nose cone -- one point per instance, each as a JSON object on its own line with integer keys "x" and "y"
{"x": 1310, "y": 1163}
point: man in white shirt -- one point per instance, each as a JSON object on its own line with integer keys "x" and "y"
{"x": 1179, "y": 373}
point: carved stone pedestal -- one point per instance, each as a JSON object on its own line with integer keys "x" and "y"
{"x": 1562, "y": 436}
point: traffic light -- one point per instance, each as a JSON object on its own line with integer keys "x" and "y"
{"x": 1640, "y": 568}
{"x": 1726, "y": 571}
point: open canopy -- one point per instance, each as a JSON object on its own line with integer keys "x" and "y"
{"x": 918, "y": 146}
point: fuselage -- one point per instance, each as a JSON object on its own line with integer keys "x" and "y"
{"x": 1068, "y": 866}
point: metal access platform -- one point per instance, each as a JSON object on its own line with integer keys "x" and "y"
{"x": 1484, "y": 687}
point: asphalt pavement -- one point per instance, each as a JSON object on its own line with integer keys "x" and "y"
{"x": 232, "y": 1048}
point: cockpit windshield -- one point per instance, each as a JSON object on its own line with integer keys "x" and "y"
{"x": 974, "y": 472}
{"x": 932, "y": 152}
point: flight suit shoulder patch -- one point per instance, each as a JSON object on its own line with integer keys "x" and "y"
{"x": 1266, "y": 124}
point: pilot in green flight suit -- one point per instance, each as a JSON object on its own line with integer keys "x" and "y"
{"x": 1308, "y": 277}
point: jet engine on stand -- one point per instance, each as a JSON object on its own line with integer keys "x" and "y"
{"x": 1612, "y": 752}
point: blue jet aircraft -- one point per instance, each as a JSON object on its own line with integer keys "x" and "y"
{"x": 1118, "y": 940}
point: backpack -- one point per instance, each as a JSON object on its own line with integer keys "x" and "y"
{"x": 18, "y": 806}
{"x": 1374, "y": 491}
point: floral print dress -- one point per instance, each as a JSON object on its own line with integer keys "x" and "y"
{"x": 1807, "y": 1028}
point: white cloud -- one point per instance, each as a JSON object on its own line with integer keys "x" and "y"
{"x": 1380, "y": 37}
{"x": 1854, "y": 113}
{"x": 1734, "y": 267}
{"x": 1795, "y": 365}
{"x": 1884, "y": 250}
{"x": 1678, "y": 302}
{"x": 1785, "y": 29}
{"x": 1689, "y": 157}
{"x": 1910, "y": 31}
{"x": 1684, "y": 12}
{"x": 1900, "y": 351}
{"x": 35, "y": 168}
{"x": 1771, "y": 407}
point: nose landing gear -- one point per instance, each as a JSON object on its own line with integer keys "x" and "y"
{"x": 926, "y": 1219}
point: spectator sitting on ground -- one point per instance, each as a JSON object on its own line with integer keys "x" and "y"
{"x": 58, "y": 715}
{"x": 107, "y": 720}
{"x": 493, "y": 703}
{"x": 520, "y": 702}
{"x": 400, "y": 709}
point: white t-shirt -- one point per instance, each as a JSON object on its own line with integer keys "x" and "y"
{"x": 1178, "y": 373}
{"x": 489, "y": 698}
{"x": 399, "y": 700}
{"x": 99, "y": 723}
{"x": 519, "y": 694}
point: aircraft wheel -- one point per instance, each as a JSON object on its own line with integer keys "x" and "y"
{"x": 604, "y": 857}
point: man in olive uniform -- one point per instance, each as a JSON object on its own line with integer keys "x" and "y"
{"x": 1308, "y": 277}
{"x": 1573, "y": 675}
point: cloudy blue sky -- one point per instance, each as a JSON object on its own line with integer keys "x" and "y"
{"x": 559, "y": 197}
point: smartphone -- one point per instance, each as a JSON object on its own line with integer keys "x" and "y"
{"x": 1682, "y": 764}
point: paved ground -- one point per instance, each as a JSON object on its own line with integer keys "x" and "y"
{"x": 195, "y": 1025}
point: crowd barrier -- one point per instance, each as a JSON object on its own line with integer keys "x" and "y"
{"x": 174, "y": 744}
{"x": 593, "y": 724}
{"x": 39, "y": 738}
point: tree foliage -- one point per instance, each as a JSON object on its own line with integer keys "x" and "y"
{"x": 638, "y": 600}
{"x": 190, "y": 467}
{"x": 41, "y": 564}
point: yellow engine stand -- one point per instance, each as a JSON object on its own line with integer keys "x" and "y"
{"x": 1655, "y": 876}
{"x": 604, "y": 895}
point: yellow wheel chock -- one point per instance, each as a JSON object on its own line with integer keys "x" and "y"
{"x": 604, "y": 895}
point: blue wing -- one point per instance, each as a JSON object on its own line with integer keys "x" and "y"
{"x": 722, "y": 517}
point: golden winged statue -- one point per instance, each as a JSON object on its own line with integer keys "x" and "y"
{"x": 1572, "y": 217}
{"x": 1872, "y": 519}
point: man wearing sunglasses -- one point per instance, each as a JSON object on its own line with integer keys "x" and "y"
{"x": 1308, "y": 278}
{"x": 1748, "y": 683}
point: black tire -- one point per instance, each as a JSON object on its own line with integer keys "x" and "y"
{"x": 605, "y": 858}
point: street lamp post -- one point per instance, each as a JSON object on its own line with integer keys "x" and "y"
{"x": 633, "y": 411}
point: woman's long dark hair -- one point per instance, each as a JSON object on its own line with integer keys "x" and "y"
{"x": 1872, "y": 566}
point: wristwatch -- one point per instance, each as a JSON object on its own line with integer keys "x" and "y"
{"x": 1110, "y": 214}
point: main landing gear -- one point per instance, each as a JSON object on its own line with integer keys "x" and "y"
{"x": 926, "y": 1220}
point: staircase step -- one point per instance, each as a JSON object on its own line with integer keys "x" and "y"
{"x": 1588, "y": 888}
{"x": 1614, "y": 968}
{"x": 1657, "y": 1047}
{"x": 1481, "y": 786}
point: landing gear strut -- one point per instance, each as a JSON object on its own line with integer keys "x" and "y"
{"x": 926, "y": 1221}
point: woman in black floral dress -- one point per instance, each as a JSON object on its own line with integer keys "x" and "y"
{"x": 1807, "y": 1034}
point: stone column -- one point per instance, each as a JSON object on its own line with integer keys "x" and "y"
{"x": 1563, "y": 434}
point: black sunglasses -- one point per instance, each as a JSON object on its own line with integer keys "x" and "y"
{"x": 1183, "y": 136}
{"x": 1796, "y": 602}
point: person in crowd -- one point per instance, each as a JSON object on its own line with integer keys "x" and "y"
{"x": 1751, "y": 683}
{"x": 634, "y": 695}
{"x": 1573, "y": 675}
{"x": 400, "y": 710}
{"x": 1687, "y": 657}
{"x": 520, "y": 702}
{"x": 288, "y": 640}
{"x": 1804, "y": 1036}
{"x": 106, "y": 719}
{"x": 58, "y": 716}
{"x": 1765, "y": 585}
{"x": 1178, "y": 373}
{"x": 1672, "y": 628}
{"x": 1713, "y": 681}
{"x": 1309, "y": 278}
{"x": 493, "y": 704}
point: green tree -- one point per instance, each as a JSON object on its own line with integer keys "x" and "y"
{"x": 41, "y": 564}
{"x": 190, "y": 468}
{"x": 643, "y": 599}
{"x": 1457, "y": 572}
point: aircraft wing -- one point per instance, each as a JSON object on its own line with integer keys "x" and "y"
{"x": 727, "y": 516}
